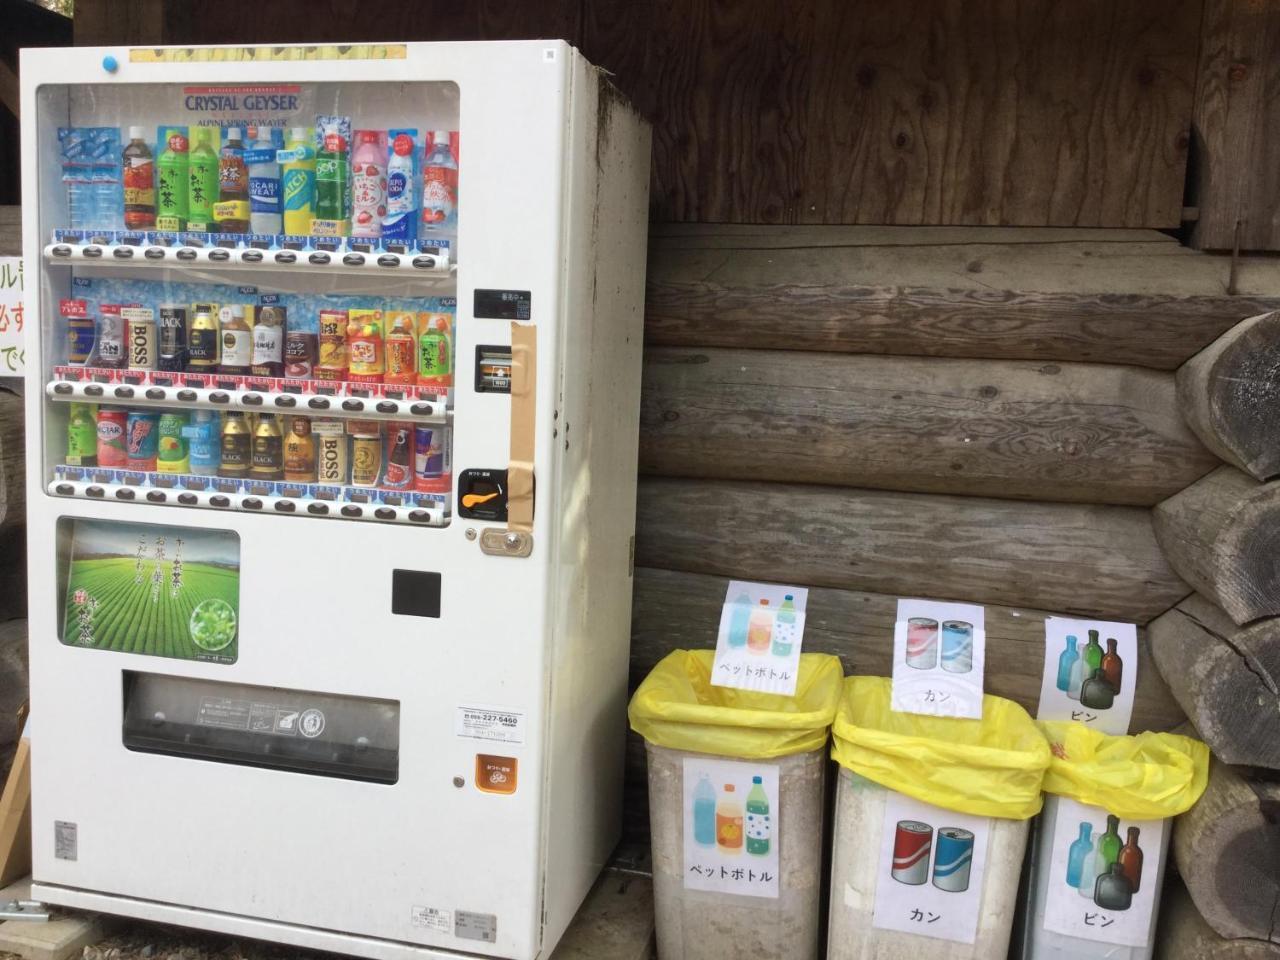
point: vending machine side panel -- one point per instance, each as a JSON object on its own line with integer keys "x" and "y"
{"x": 607, "y": 195}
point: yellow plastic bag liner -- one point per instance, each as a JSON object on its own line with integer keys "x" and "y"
{"x": 1146, "y": 777}
{"x": 677, "y": 707}
{"x": 990, "y": 767}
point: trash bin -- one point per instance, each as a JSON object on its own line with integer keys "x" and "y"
{"x": 736, "y": 808}
{"x": 1098, "y": 855}
{"x": 931, "y": 826}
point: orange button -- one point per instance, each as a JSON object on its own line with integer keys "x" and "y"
{"x": 495, "y": 774}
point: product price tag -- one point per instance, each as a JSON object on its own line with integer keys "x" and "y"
{"x": 939, "y": 653}
{"x": 13, "y": 349}
{"x": 758, "y": 645}
{"x": 1103, "y": 876}
{"x": 1090, "y": 673}
{"x": 731, "y": 824}
{"x": 931, "y": 867}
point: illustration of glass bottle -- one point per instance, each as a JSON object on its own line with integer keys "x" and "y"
{"x": 1130, "y": 860}
{"x": 1096, "y": 693}
{"x": 784, "y": 628}
{"x": 1112, "y": 665}
{"x": 758, "y": 827}
{"x": 1113, "y": 891}
{"x": 1076, "y": 680}
{"x": 1081, "y": 850}
{"x": 1092, "y": 654}
{"x": 1066, "y": 660}
{"x": 760, "y": 628}
{"x": 1088, "y": 873}
{"x": 729, "y": 822}
{"x": 738, "y": 621}
{"x": 1109, "y": 844}
{"x": 704, "y": 813}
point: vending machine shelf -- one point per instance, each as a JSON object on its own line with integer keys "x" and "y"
{"x": 340, "y": 256}
{"x": 211, "y": 391}
{"x": 406, "y": 507}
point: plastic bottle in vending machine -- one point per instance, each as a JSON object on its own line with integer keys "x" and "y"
{"x": 231, "y": 212}
{"x": 435, "y": 351}
{"x": 139, "y": 182}
{"x": 172, "y": 202}
{"x": 368, "y": 184}
{"x": 439, "y": 184}
{"x": 298, "y": 181}
{"x": 204, "y": 443}
{"x": 264, "y": 185}
{"x": 202, "y": 179}
{"x": 365, "y": 357}
{"x": 82, "y": 435}
{"x": 401, "y": 348}
{"x": 333, "y": 171}
{"x": 400, "y": 225}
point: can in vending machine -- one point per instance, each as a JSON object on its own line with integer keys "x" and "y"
{"x": 113, "y": 423}
{"x": 399, "y": 472}
{"x": 142, "y": 434}
{"x": 80, "y": 330}
{"x": 172, "y": 446}
{"x": 953, "y": 860}
{"x": 432, "y": 460}
{"x": 332, "y": 362}
{"x": 112, "y": 352}
{"x": 299, "y": 354}
{"x": 173, "y": 337}
{"x": 140, "y": 332}
{"x": 912, "y": 844}
{"x": 366, "y": 459}
{"x": 957, "y": 646}
{"x": 922, "y": 643}
{"x": 332, "y": 452}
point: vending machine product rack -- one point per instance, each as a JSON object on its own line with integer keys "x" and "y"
{"x": 401, "y": 737}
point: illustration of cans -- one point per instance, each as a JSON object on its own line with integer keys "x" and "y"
{"x": 922, "y": 643}
{"x": 957, "y": 646}
{"x": 911, "y": 846}
{"x": 954, "y": 858}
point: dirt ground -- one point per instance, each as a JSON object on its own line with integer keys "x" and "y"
{"x": 128, "y": 940}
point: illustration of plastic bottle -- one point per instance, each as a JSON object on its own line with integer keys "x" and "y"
{"x": 264, "y": 186}
{"x": 784, "y": 628}
{"x": 739, "y": 620}
{"x": 1081, "y": 849}
{"x": 759, "y": 830}
{"x": 1113, "y": 891}
{"x": 704, "y": 813}
{"x": 1066, "y": 660}
{"x": 1112, "y": 665}
{"x": 1088, "y": 870}
{"x": 760, "y": 629}
{"x": 1130, "y": 860}
{"x": 1076, "y": 679}
{"x": 729, "y": 822}
{"x": 1108, "y": 850}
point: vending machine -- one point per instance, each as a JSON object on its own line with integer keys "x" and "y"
{"x": 332, "y": 403}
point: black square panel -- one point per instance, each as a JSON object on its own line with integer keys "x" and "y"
{"x": 415, "y": 593}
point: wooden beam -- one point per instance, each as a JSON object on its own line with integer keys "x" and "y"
{"x": 1225, "y": 847}
{"x": 1226, "y": 678}
{"x": 15, "y": 817}
{"x": 1236, "y": 126}
{"x": 1131, "y": 297}
{"x": 1229, "y": 394}
{"x": 1183, "y": 934}
{"x": 1222, "y": 535}
{"x": 1089, "y": 560}
{"x": 1089, "y": 433}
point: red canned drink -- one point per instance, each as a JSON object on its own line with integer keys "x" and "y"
{"x": 911, "y": 846}
{"x": 112, "y": 425}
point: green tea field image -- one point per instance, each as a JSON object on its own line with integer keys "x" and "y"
{"x": 158, "y": 591}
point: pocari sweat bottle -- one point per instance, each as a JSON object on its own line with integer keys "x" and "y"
{"x": 264, "y": 185}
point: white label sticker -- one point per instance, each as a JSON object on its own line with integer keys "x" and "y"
{"x": 475, "y": 926}
{"x": 939, "y": 653}
{"x": 731, "y": 825}
{"x": 932, "y": 862}
{"x": 1090, "y": 672}
{"x": 433, "y": 918}
{"x": 761, "y": 630}
{"x": 66, "y": 840}
{"x": 489, "y": 723}
{"x": 1102, "y": 875}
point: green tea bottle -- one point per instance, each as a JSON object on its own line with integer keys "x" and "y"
{"x": 175, "y": 175}
{"x": 202, "y": 179}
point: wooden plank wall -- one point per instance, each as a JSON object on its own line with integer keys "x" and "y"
{"x": 1021, "y": 112}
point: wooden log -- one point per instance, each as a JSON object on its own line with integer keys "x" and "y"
{"x": 1089, "y": 560}
{"x": 1226, "y": 678}
{"x": 1120, "y": 296}
{"x": 1225, "y": 848}
{"x": 1090, "y": 433}
{"x": 1183, "y": 935}
{"x": 1222, "y": 535}
{"x": 673, "y": 611}
{"x": 1229, "y": 393}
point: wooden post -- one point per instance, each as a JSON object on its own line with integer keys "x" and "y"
{"x": 1226, "y": 850}
{"x": 1229, "y": 394}
{"x": 1183, "y": 934}
{"x": 1222, "y": 535}
{"x": 1225, "y": 677}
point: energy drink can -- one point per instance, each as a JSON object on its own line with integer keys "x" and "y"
{"x": 432, "y": 459}
{"x": 142, "y": 431}
{"x": 957, "y": 646}
{"x": 922, "y": 643}
{"x": 953, "y": 860}
{"x": 912, "y": 844}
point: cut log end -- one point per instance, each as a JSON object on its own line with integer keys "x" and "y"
{"x": 1184, "y": 935}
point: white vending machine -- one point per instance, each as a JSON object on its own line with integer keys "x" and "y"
{"x": 332, "y": 403}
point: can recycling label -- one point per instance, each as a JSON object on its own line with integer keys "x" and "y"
{"x": 489, "y": 723}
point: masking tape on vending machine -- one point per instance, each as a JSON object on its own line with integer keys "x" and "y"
{"x": 524, "y": 382}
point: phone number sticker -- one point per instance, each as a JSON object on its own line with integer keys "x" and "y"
{"x": 489, "y": 723}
